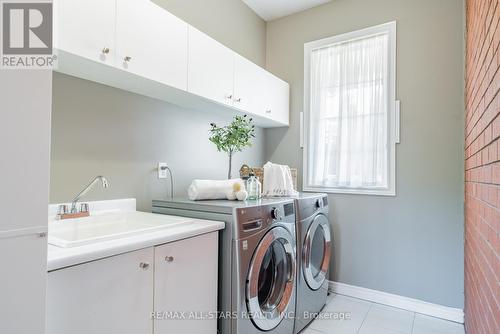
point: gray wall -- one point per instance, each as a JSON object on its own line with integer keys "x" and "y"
{"x": 231, "y": 22}
{"x": 411, "y": 244}
{"x": 98, "y": 130}
{"x": 101, "y": 130}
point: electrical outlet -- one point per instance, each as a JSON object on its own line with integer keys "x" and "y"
{"x": 162, "y": 171}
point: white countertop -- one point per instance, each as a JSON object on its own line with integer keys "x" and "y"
{"x": 59, "y": 257}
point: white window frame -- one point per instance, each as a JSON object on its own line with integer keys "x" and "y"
{"x": 393, "y": 126}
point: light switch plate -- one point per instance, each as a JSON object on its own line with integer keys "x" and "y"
{"x": 162, "y": 173}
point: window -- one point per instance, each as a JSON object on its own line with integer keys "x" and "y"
{"x": 349, "y": 118}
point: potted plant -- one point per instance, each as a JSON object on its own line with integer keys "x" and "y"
{"x": 233, "y": 138}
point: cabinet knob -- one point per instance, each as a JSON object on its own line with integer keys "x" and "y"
{"x": 268, "y": 111}
{"x": 105, "y": 50}
{"x": 169, "y": 258}
{"x": 238, "y": 99}
{"x": 127, "y": 59}
{"x": 144, "y": 265}
{"x": 229, "y": 97}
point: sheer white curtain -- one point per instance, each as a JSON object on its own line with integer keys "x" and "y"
{"x": 348, "y": 120}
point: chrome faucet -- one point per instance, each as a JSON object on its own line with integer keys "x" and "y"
{"x": 104, "y": 184}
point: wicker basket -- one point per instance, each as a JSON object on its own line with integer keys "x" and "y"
{"x": 259, "y": 173}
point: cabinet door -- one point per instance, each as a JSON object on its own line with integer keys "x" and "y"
{"x": 151, "y": 42}
{"x": 210, "y": 68}
{"x": 186, "y": 281}
{"x": 86, "y": 28}
{"x": 248, "y": 88}
{"x": 113, "y": 295}
{"x": 277, "y": 95}
{"x": 23, "y": 280}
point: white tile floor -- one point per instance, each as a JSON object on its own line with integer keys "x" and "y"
{"x": 370, "y": 318}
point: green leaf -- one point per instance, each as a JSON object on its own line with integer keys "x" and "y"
{"x": 233, "y": 137}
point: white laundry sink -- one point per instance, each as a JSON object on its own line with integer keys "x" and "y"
{"x": 107, "y": 226}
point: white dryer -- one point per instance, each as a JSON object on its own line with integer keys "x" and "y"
{"x": 313, "y": 256}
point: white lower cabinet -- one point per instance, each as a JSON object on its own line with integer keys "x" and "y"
{"x": 174, "y": 283}
{"x": 186, "y": 286}
{"x": 22, "y": 284}
{"x": 108, "y": 296}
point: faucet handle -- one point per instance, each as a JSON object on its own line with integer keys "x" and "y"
{"x": 84, "y": 207}
{"x": 62, "y": 209}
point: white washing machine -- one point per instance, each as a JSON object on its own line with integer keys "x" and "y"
{"x": 313, "y": 256}
{"x": 257, "y": 261}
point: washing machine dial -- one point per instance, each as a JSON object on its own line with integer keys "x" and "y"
{"x": 318, "y": 204}
{"x": 275, "y": 213}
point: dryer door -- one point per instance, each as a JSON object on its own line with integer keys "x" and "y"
{"x": 316, "y": 252}
{"x": 271, "y": 278}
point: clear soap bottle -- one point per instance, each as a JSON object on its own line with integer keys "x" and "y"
{"x": 253, "y": 187}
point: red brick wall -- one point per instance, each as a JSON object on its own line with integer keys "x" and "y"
{"x": 482, "y": 168}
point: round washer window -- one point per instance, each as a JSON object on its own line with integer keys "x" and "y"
{"x": 272, "y": 277}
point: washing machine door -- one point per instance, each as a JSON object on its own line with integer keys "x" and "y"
{"x": 271, "y": 279}
{"x": 316, "y": 252}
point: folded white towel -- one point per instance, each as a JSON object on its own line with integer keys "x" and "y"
{"x": 278, "y": 181}
{"x": 212, "y": 189}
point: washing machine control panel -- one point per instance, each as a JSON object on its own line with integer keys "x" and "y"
{"x": 251, "y": 220}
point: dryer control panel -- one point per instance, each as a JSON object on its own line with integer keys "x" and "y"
{"x": 311, "y": 205}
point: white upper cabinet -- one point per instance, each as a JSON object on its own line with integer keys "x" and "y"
{"x": 247, "y": 86}
{"x": 210, "y": 68}
{"x": 260, "y": 93}
{"x": 86, "y": 28}
{"x": 151, "y": 52}
{"x": 276, "y": 97}
{"x": 151, "y": 42}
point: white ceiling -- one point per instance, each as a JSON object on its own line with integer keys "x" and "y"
{"x": 273, "y": 9}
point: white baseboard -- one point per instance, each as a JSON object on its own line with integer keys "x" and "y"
{"x": 405, "y": 303}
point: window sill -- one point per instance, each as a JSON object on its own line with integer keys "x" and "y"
{"x": 376, "y": 192}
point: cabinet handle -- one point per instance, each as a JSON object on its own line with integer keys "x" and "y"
{"x": 127, "y": 59}
{"x": 105, "y": 51}
{"x": 169, "y": 258}
{"x": 268, "y": 111}
{"x": 144, "y": 265}
{"x": 229, "y": 97}
{"x": 238, "y": 99}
